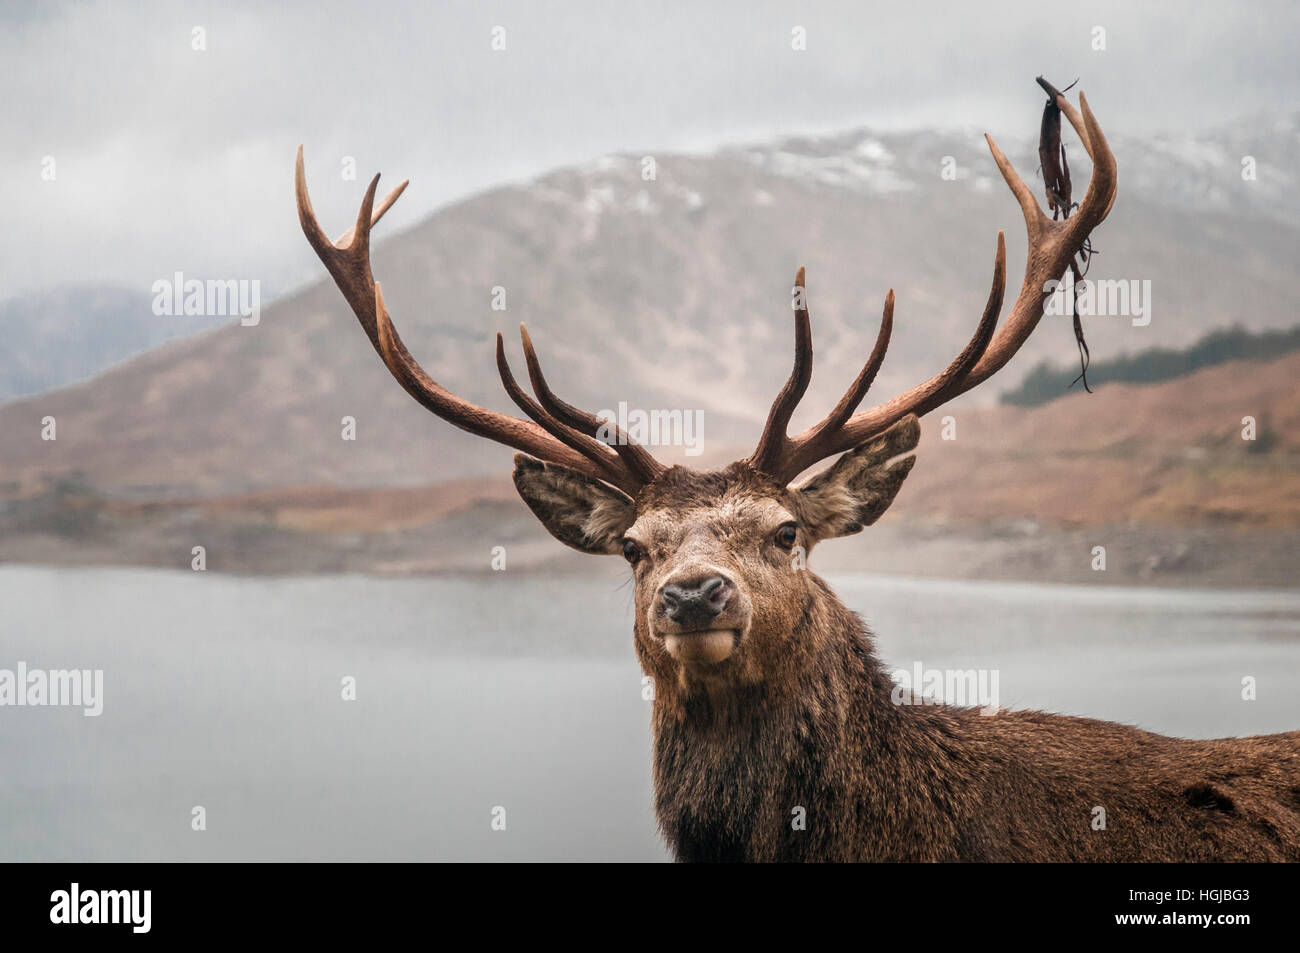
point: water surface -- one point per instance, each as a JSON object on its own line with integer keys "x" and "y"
{"x": 518, "y": 692}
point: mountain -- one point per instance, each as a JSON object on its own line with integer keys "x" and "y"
{"x": 667, "y": 294}
{"x": 1207, "y": 170}
{"x": 59, "y": 337}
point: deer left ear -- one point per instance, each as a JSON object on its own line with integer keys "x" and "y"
{"x": 858, "y": 488}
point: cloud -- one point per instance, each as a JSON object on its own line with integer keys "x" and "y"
{"x": 169, "y": 158}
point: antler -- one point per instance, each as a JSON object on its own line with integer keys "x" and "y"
{"x": 559, "y": 433}
{"x": 1052, "y": 247}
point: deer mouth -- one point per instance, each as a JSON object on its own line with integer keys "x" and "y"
{"x": 702, "y": 647}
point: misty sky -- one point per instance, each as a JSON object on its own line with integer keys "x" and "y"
{"x": 170, "y": 159}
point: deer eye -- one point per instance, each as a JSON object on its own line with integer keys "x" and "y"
{"x": 787, "y": 536}
{"x": 632, "y": 552}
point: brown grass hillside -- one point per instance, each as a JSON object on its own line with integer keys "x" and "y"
{"x": 1158, "y": 474}
{"x": 1166, "y": 454}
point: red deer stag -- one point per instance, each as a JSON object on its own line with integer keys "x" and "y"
{"x": 769, "y": 697}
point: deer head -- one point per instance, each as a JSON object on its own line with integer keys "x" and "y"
{"x": 718, "y": 556}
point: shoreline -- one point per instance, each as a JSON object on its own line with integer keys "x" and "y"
{"x": 463, "y": 546}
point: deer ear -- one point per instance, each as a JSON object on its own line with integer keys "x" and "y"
{"x": 858, "y": 488}
{"x": 575, "y": 509}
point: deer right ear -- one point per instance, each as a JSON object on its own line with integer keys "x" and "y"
{"x": 857, "y": 490}
{"x": 575, "y": 509}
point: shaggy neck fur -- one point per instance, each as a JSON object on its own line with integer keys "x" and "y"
{"x": 733, "y": 765}
{"x": 826, "y": 767}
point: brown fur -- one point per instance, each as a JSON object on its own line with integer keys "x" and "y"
{"x": 886, "y": 782}
{"x": 769, "y": 698}
{"x": 800, "y": 715}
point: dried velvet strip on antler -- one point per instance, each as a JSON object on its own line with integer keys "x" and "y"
{"x": 1056, "y": 181}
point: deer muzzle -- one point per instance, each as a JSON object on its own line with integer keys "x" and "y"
{"x": 697, "y": 626}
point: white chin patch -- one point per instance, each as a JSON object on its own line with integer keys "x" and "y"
{"x": 697, "y": 648}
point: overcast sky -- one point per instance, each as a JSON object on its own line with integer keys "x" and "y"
{"x": 168, "y": 158}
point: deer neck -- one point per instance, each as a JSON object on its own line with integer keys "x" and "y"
{"x": 734, "y": 763}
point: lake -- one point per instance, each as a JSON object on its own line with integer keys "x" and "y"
{"x": 520, "y": 692}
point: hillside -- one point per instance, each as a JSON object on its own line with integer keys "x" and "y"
{"x": 1046, "y": 383}
{"x": 1165, "y": 454}
{"x": 1159, "y": 475}
{"x": 665, "y": 294}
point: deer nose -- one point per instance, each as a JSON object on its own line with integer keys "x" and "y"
{"x": 695, "y": 602}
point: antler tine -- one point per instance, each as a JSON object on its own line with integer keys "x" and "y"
{"x": 808, "y": 443}
{"x": 1082, "y": 128}
{"x": 1104, "y": 182}
{"x": 1048, "y": 259}
{"x": 384, "y": 206}
{"x": 1035, "y": 217}
{"x": 775, "y": 442}
{"x": 593, "y": 449}
{"x": 821, "y": 441}
{"x": 1052, "y": 247}
{"x": 633, "y": 455}
{"x": 348, "y": 262}
{"x": 867, "y": 376}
